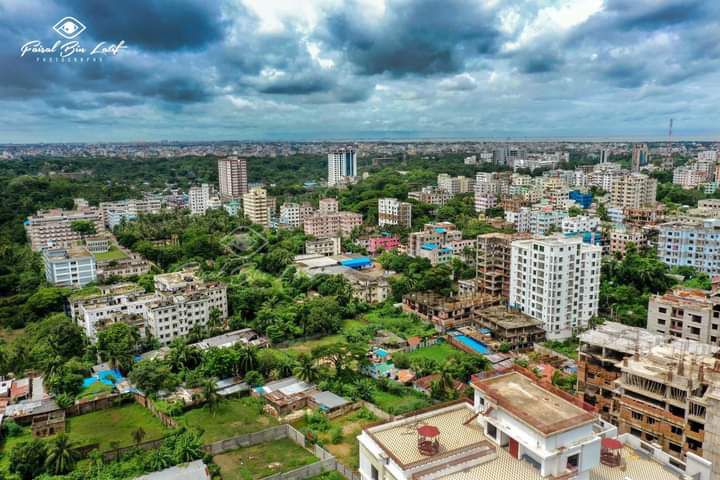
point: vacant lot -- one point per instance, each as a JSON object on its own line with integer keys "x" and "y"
{"x": 114, "y": 425}
{"x": 344, "y": 447}
{"x": 263, "y": 460}
{"x": 439, "y": 352}
{"x": 233, "y": 417}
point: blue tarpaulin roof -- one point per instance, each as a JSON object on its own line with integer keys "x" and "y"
{"x": 356, "y": 262}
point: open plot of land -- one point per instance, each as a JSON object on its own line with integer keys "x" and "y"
{"x": 265, "y": 459}
{"x": 114, "y": 425}
{"x": 350, "y": 424}
{"x": 233, "y": 417}
{"x": 439, "y": 352}
{"x": 7, "y": 445}
{"x": 404, "y": 401}
{"x": 96, "y": 388}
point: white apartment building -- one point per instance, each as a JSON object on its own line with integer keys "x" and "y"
{"x": 256, "y": 206}
{"x": 293, "y": 215}
{"x": 557, "y": 281}
{"x": 635, "y": 190}
{"x": 694, "y": 243}
{"x": 53, "y": 228}
{"x": 115, "y": 212}
{"x": 689, "y": 177}
{"x": 604, "y": 175}
{"x": 392, "y": 211}
{"x": 69, "y": 267}
{"x": 200, "y": 198}
{"x": 232, "y": 177}
{"x": 708, "y": 155}
{"x": 538, "y": 220}
{"x": 328, "y": 205}
{"x": 621, "y": 237}
{"x": 342, "y": 166}
{"x": 580, "y": 223}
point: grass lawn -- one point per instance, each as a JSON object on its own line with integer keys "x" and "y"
{"x": 263, "y": 460}
{"x": 113, "y": 254}
{"x": 95, "y": 389}
{"x": 234, "y": 417}
{"x": 114, "y": 425}
{"x": 351, "y": 424}
{"x": 438, "y": 352}
{"x": 400, "y": 403}
{"x": 307, "y": 346}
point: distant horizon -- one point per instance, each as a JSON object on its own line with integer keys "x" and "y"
{"x": 426, "y": 139}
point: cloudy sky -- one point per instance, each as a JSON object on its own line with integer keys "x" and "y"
{"x": 325, "y": 69}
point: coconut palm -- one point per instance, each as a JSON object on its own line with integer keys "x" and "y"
{"x": 61, "y": 456}
{"x": 210, "y": 395}
{"x": 306, "y": 369}
{"x": 247, "y": 357}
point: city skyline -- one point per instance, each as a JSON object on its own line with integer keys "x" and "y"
{"x": 367, "y": 69}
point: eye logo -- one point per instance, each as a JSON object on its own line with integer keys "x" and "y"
{"x": 69, "y": 27}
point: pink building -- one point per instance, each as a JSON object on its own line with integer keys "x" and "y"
{"x": 384, "y": 243}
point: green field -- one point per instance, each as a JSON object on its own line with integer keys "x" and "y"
{"x": 398, "y": 404}
{"x": 263, "y": 460}
{"x": 113, "y": 254}
{"x": 95, "y": 389}
{"x": 439, "y": 352}
{"x": 233, "y": 417}
{"x": 114, "y": 425}
{"x": 7, "y": 446}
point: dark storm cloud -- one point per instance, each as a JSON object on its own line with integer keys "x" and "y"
{"x": 196, "y": 67}
{"x": 151, "y": 24}
{"x": 414, "y": 36}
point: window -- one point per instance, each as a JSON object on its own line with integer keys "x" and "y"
{"x": 491, "y": 431}
{"x": 374, "y": 473}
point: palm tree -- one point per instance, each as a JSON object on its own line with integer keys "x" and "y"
{"x": 61, "y": 456}
{"x": 306, "y": 369}
{"x": 138, "y": 435}
{"x": 247, "y": 359}
{"x": 210, "y": 395}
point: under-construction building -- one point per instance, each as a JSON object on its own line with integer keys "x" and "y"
{"x": 447, "y": 313}
{"x": 661, "y": 390}
{"x": 493, "y": 254}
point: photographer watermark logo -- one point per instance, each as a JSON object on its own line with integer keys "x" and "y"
{"x": 70, "y": 51}
{"x": 69, "y": 27}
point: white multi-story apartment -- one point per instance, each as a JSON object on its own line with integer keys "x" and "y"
{"x": 200, "y": 199}
{"x": 328, "y": 205}
{"x": 694, "y": 243}
{"x": 293, "y": 215}
{"x": 635, "y": 190}
{"x": 256, "y": 206}
{"x": 115, "y": 212}
{"x": 708, "y": 155}
{"x": 483, "y": 202}
{"x": 342, "y": 166}
{"x": 232, "y": 176}
{"x": 69, "y": 267}
{"x": 53, "y": 228}
{"x": 556, "y": 280}
{"x": 687, "y": 313}
{"x": 604, "y": 175}
{"x": 580, "y": 223}
{"x": 392, "y": 211}
{"x": 621, "y": 237}
{"x": 689, "y": 177}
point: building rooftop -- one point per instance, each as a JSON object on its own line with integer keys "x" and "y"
{"x": 538, "y": 407}
{"x": 188, "y": 471}
{"x": 399, "y": 439}
{"x": 509, "y": 318}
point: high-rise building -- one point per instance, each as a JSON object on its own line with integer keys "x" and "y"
{"x": 556, "y": 280}
{"x": 232, "y": 176}
{"x": 640, "y": 156}
{"x": 493, "y": 255}
{"x": 256, "y": 206}
{"x": 633, "y": 191}
{"x": 688, "y": 313}
{"x": 604, "y": 155}
{"x": 342, "y": 166}
{"x": 392, "y": 211}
